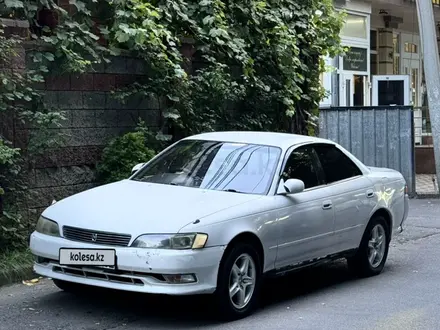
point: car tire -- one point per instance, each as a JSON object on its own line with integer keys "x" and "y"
{"x": 372, "y": 253}
{"x": 68, "y": 286}
{"x": 233, "y": 272}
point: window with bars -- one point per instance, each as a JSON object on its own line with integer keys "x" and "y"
{"x": 396, "y": 43}
{"x": 396, "y": 50}
{"x": 396, "y": 65}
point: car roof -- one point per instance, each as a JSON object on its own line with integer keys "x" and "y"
{"x": 282, "y": 140}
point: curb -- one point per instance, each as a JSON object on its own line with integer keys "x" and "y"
{"x": 15, "y": 276}
{"x": 427, "y": 196}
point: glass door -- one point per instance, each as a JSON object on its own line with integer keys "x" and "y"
{"x": 346, "y": 90}
{"x": 359, "y": 92}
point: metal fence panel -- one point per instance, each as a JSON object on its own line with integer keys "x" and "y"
{"x": 378, "y": 136}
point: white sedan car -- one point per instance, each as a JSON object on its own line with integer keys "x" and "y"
{"x": 215, "y": 213}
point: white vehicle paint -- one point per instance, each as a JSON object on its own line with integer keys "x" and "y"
{"x": 238, "y": 206}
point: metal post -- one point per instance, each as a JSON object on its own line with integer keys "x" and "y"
{"x": 428, "y": 36}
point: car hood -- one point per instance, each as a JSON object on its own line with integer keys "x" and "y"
{"x": 135, "y": 208}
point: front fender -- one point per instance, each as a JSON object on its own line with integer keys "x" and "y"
{"x": 221, "y": 233}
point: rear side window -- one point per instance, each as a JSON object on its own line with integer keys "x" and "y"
{"x": 336, "y": 165}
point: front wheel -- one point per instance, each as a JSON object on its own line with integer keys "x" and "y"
{"x": 373, "y": 251}
{"x": 238, "y": 282}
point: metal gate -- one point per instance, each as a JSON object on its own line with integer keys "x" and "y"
{"x": 381, "y": 136}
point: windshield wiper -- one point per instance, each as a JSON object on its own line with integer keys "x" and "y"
{"x": 233, "y": 190}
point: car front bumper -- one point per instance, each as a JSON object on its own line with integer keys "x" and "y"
{"x": 138, "y": 270}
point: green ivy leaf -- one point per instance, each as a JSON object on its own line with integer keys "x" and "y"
{"x": 62, "y": 35}
{"x": 49, "y": 56}
{"x": 80, "y": 6}
{"x": 173, "y": 98}
{"x": 122, "y": 36}
{"x": 14, "y": 4}
{"x": 171, "y": 115}
{"x": 208, "y": 20}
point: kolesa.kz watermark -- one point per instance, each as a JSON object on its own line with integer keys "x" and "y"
{"x": 86, "y": 257}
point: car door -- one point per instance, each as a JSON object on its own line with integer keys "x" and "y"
{"x": 305, "y": 221}
{"x": 352, "y": 194}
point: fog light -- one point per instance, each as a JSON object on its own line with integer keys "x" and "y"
{"x": 180, "y": 278}
{"x": 40, "y": 260}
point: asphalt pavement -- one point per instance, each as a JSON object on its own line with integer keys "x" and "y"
{"x": 405, "y": 296}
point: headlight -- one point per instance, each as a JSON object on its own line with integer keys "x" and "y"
{"x": 173, "y": 242}
{"x": 47, "y": 227}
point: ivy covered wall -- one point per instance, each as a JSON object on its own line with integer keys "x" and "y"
{"x": 258, "y": 65}
{"x": 93, "y": 116}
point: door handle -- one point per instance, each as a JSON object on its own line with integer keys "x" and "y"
{"x": 370, "y": 193}
{"x": 327, "y": 205}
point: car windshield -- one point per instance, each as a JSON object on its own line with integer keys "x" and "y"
{"x": 214, "y": 165}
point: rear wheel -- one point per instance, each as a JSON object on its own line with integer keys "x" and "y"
{"x": 238, "y": 282}
{"x": 373, "y": 251}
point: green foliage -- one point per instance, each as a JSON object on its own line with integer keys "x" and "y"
{"x": 266, "y": 56}
{"x": 13, "y": 232}
{"x": 16, "y": 90}
{"x": 20, "y": 100}
{"x": 122, "y": 153}
{"x": 69, "y": 47}
{"x": 261, "y": 58}
{"x": 22, "y": 103}
{"x": 8, "y": 155}
{"x": 15, "y": 265}
{"x": 155, "y": 141}
{"x": 257, "y": 67}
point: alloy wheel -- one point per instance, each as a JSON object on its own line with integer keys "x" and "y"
{"x": 376, "y": 245}
{"x": 242, "y": 281}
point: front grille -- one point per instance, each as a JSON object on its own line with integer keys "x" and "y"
{"x": 95, "y": 237}
{"x": 102, "y": 275}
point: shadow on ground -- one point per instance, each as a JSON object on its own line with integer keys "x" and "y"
{"x": 191, "y": 312}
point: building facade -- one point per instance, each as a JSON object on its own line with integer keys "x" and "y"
{"x": 349, "y": 82}
{"x": 384, "y": 43}
{"x": 384, "y": 39}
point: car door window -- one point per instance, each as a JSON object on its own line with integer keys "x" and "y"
{"x": 303, "y": 164}
{"x": 336, "y": 165}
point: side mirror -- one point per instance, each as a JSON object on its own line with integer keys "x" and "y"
{"x": 136, "y": 168}
{"x": 291, "y": 186}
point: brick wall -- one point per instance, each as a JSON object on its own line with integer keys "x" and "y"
{"x": 93, "y": 117}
